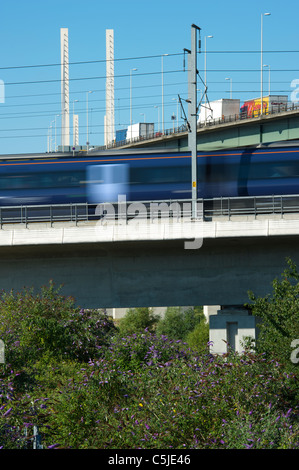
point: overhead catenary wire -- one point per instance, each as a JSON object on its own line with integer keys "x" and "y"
{"x": 48, "y": 113}
{"x": 84, "y": 62}
{"x": 125, "y": 88}
{"x": 102, "y": 77}
{"x": 97, "y": 109}
{"x": 98, "y": 61}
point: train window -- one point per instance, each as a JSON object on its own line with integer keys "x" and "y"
{"x": 160, "y": 175}
{"x": 61, "y": 180}
{"x": 282, "y": 169}
{"x": 15, "y": 182}
{"x": 42, "y": 180}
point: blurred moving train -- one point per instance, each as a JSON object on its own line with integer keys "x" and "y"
{"x": 148, "y": 175}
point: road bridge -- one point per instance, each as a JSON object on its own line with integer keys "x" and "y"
{"x": 229, "y": 132}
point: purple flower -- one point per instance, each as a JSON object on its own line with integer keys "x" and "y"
{"x": 7, "y": 412}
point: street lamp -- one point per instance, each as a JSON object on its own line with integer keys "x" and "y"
{"x": 163, "y": 55}
{"x": 49, "y": 138}
{"x": 262, "y": 15}
{"x": 231, "y": 87}
{"x": 56, "y": 116}
{"x": 158, "y": 117}
{"x": 142, "y": 114}
{"x": 269, "y": 77}
{"x": 51, "y": 134}
{"x": 132, "y": 70}
{"x": 87, "y": 142}
{"x": 206, "y": 75}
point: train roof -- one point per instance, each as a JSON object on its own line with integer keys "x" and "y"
{"x": 96, "y": 153}
{"x": 91, "y": 153}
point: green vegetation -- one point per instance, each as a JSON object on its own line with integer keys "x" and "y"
{"x": 279, "y": 320}
{"x": 137, "y": 319}
{"x": 147, "y": 383}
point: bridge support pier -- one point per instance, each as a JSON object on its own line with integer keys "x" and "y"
{"x": 229, "y": 325}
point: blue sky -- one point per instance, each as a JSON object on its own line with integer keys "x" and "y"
{"x": 143, "y": 31}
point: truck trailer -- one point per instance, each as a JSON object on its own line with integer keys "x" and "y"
{"x": 141, "y": 129}
{"x": 219, "y": 109}
{"x": 271, "y": 104}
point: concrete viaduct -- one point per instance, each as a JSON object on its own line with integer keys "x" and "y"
{"x": 121, "y": 267}
{"x": 200, "y": 263}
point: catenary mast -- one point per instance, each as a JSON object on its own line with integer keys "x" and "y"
{"x": 109, "y": 123}
{"x": 65, "y": 100}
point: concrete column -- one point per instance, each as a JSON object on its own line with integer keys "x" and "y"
{"x": 228, "y": 328}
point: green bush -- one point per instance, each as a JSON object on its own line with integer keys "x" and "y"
{"x": 178, "y": 323}
{"x": 171, "y": 398}
{"x": 198, "y": 338}
{"x": 278, "y": 316}
{"x": 48, "y": 325}
{"x": 92, "y": 387}
{"x": 137, "y": 319}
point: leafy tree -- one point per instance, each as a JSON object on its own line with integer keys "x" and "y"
{"x": 279, "y": 315}
{"x": 137, "y": 319}
{"x": 178, "y": 323}
{"x": 48, "y": 325}
{"x": 198, "y": 338}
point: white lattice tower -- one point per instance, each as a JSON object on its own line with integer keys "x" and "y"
{"x": 65, "y": 100}
{"x": 109, "y": 123}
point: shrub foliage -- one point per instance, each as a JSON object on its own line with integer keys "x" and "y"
{"x": 86, "y": 384}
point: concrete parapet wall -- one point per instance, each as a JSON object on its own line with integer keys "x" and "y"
{"x": 68, "y": 233}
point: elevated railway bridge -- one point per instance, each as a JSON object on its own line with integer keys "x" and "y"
{"x": 235, "y": 246}
{"x": 228, "y": 132}
{"x": 243, "y": 246}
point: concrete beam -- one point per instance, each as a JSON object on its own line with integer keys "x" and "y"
{"x": 152, "y": 273}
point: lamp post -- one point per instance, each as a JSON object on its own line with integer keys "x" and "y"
{"x": 163, "y": 55}
{"x": 269, "y": 77}
{"x": 158, "y": 117}
{"x": 49, "y": 139}
{"x": 51, "y": 134}
{"x": 56, "y": 116}
{"x": 262, "y": 15}
{"x": 231, "y": 87}
{"x": 87, "y": 142}
{"x": 206, "y": 75}
{"x": 132, "y": 70}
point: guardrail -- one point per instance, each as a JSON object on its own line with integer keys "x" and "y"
{"x": 208, "y": 209}
{"x": 251, "y": 205}
{"x": 288, "y": 107}
{"x": 45, "y": 213}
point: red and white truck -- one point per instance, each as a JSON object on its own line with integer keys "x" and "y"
{"x": 271, "y": 104}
